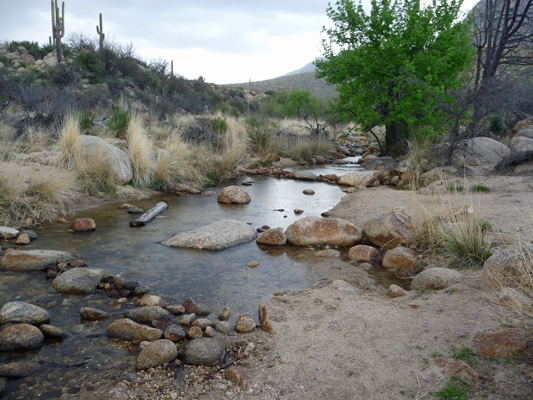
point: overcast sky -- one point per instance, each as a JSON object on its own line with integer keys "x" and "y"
{"x": 225, "y": 41}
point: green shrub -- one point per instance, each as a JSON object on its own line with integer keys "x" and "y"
{"x": 85, "y": 120}
{"x": 258, "y": 131}
{"x": 118, "y": 121}
{"x": 496, "y": 124}
{"x": 467, "y": 355}
{"x": 480, "y": 188}
{"x": 212, "y": 178}
{"x": 219, "y": 125}
{"x": 465, "y": 242}
{"x": 452, "y": 391}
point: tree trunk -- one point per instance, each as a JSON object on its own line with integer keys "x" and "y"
{"x": 149, "y": 215}
{"x": 395, "y": 139}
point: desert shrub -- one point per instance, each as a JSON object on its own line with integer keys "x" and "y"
{"x": 201, "y": 132}
{"x": 219, "y": 125}
{"x": 33, "y": 48}
{"x": 259, "y": 133}
{"x": 305, "y": 147}
{"x": 212, "y": 178}
{"x": 496, "y": 124}
{"x": 85, "y": 120}
{"x": 118, "y": 121}
{"x": 89, "y": 62}
{"x": 140, "y": 151}
{"x": 64, "y": 75}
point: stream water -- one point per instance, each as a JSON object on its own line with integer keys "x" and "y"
{"x": 214, "y": 279}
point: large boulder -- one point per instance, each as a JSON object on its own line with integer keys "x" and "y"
{"x": 33, "y": 260}
{"x": 20, "y": 336}
{"x": 521, "y": 143}
{"x": 78, "y": 280}
{"x": 19, "y": 311}
{"x": 304, "y": 176}
{"x": 147, "y": 314}
{"x": 320, "y": 231}
{"x": 130, "y": 330}
{"x": 479, "y": 152}
{"x": 526, "y": 132}
{"x": 156, "y": 353}
{"x": 216, "y": 236}
{"x": 83, "y": 225}
{"x": 8, "y": 233}
{"x": 360, "y": 178}
{"x": 382, "y": 164}
{"x": 389, "y": 231}
{"x": 118, "y": 161}
{"x": 233, "y": 195}
{"x": 203, "y": 351}
{"x": 436, "y": 279}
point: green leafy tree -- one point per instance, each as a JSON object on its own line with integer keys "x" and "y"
{"x": 395, "y": 65}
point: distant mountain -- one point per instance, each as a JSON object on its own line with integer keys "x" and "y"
{"x": 310, "y": 67}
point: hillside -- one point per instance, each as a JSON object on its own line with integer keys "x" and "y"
{"x": 306, "y": 81}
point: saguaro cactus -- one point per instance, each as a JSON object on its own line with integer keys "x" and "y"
{"x": 58, "y": 26}
{"x": 100, "y": 31}
{"x": 171, "y": 67}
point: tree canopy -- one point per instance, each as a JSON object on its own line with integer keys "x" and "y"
{"x": 395, "y": 65}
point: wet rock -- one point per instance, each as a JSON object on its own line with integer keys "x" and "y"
{"x": 233, "y": 195}
{"x": 194, "y": 332}
{"x": 362, "y": 253}
{"x": 319, "y": 231}
{"x": 203, "y": 323}
{"x": 22, "y": 240}
{"x": 78, "y": 280}
{"x": 162, "y": 323}
{"x": 187, "y": 319}
{"x": 253, "y": 264}
{"x": 396, "y": 291}
{"x": 151, "y": 300}
{"x": 225, "y": 313}
{"x": 19, "y": 311}
{"x": 297, "y": 211}
{"x": 125, "y": 206}
{"x": 328, "y": 253}
{"x": 146, "y": 315}
{"x": 20, "y": 336}
{"x": 209, "y": 332}
{"x": 225, "y": 328}
{"x": 274, "y": 237}
{"x": 130, "y": 330}
{"x": 52, "y": 331}
{"x": 176, "y": 309}
{"x": 360, "y": 178}
{"x": 400, "y": 257}
{"x": 156, "y": 353}
{"x": 309, "y": 192}
{"x": 33, "y": 260}
{"x": 219, "y": 235}
{"x": 304, "y": 176}
{"x": 203, "y": 351}
{"x": 500, "y": 342}
{"x": 436, "y": 279}
{"x": 83, "y": 225}
{"x": 244, "y": 324}
{"x": 389, "y": 231}
{"x": 192, "y": 307}
{"x": 31, "y": 234}
{"x": 16, "y": 370}
{"x": 174, "y": 332}
{"x": 8, "y": 233}
{"x": 135, "y": 210}
{"x": 505, "y": 267}
{"x": 93, "y": 314}
{"x": 237, "y": 376}
{"x": 510, "y": 297}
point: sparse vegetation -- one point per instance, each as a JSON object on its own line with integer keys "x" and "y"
{"x": 141, "y": 153}
{"x": 479, "y": 188}
{"x": 118, "y": 121}
{"x": 467, "y": 355}
{"x": 453, "y": 391}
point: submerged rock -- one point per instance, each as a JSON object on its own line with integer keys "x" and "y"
{"x": 93, "y": 314}
{"x": 192, "y": 307}
{"x": 146, "y": 314}
{"x": 33, "y": 260}
{"x": 20, "y": 336}
{"x": 16, "y": 370}
{"x": 78, "y": 280}
{"x": 319, "y": 231}
{"x": 19, "y": 311}
{"x": 219, "y": 235}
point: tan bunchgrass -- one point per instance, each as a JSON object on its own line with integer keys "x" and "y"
{"x": 69, "y": 141}
{"x": 141, "y": 153}
{"x": 32, "y": 194}
{"x": 95, "y": 174}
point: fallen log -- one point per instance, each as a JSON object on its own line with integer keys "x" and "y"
{"x": 149, "y": 215}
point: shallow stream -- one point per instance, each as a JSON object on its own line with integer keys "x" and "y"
{"x": 214, "y": 279}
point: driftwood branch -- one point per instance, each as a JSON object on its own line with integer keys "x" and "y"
{"x": 149, "y": 215}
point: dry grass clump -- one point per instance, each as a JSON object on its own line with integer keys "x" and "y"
{"x": 141, "y": 153}
{"x": 454, "y": 233}
{"x": 419, "y": 153}
{"x": 95, "y": 174}
{"x": 69, "y": 141}
{"x": 32, "y": 194}
{"x": 305, "y": 147}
